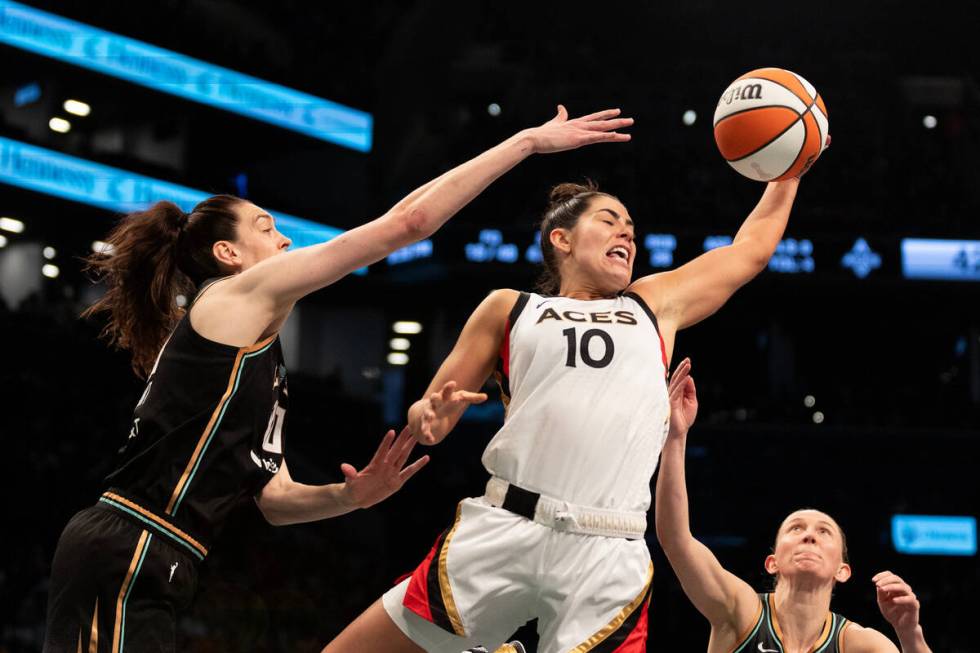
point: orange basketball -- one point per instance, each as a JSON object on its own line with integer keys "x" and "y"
{"x": 771, "y": 124}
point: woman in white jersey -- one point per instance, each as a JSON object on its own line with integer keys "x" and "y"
{"x": 559, "y": 534}
{"x": 809, "y": 557}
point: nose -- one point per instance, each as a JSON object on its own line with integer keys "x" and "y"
{"x": 286, "y": 243}
{"x": 808, "y": 537}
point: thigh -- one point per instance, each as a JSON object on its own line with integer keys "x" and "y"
{"x": 476, "y": 586}
{"x": 597, "y": 595}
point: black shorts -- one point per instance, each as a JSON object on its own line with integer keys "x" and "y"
{"x": 115, "y": 587}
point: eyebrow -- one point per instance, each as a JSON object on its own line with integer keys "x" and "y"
{"x": 798, "y": 520}
{"x": 264, "y": 215}
{"x": 628, "y": 221}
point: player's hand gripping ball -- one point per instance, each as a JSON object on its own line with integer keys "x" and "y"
{"x": 771, "y": 124}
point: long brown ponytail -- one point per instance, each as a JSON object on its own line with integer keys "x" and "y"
{"x": 153, "y": 256}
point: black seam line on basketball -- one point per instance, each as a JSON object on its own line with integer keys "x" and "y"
{"x": 822, "y": 112}
{"x": 741, "y": 111}
{"x": 774, "y": 138}
{"x": 799, "y": 152}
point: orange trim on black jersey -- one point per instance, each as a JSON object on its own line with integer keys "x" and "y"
{"x": 235, "y": 368}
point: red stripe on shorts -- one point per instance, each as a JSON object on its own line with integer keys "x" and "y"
{"x": 636, "y": 641}
{"x": 417, "y": 595}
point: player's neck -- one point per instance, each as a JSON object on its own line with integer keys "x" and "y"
{"x": 575, "y": 289}
{"x": 801, "y": 612}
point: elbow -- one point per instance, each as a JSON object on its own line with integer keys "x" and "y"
{"x": 266, "y": 504}
{"x": 753, "y": 256}
{"x": 414, "y": 223}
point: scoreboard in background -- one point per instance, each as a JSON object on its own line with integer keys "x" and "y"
{"x": 827, "y": 256}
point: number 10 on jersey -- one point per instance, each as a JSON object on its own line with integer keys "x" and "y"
{"x": 582, "y": 347}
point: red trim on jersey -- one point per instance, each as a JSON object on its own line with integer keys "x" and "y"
{"x": 505, "y": 349}
{"x": 663, "y": 353}
{"x": 417, "y": 593}
{"x": 636, "y": 641}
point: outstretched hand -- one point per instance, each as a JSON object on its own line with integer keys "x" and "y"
{"x": 683, "y": 399}
{"x": 897, "y": 602}
{"x": 560, "y": 133}
{"x": 385, "y": 474}
{"x": 441, "y": 409}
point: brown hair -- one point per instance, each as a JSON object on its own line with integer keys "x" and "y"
{"x": 566, "y": 204}
{"x": 153, "y": 256}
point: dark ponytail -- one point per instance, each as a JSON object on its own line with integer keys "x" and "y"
{"x": 153, "y": 256}
{"x": 566, "y": 204}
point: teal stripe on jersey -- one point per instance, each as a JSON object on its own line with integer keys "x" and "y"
{"x": 751, "y": 636}
{"x": 217, "y": 424}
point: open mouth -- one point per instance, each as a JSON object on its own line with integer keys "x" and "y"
{"x": 619, "y": 253}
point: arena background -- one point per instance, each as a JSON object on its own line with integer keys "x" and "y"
{"x": 834, "y": 380}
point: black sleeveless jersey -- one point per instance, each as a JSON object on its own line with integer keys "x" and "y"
{"x": 206, "y": 432}
{"x": 766, "y": 636}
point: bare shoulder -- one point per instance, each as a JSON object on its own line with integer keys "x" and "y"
{"x": 859, "y": 639}
{"x": 499, "y": 303}
{"x": 652, "y": 289}
{"x": 220, "y": 314}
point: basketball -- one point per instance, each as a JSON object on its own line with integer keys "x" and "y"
{"x": 771, "y": 124}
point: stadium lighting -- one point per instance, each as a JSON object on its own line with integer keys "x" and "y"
{"x": 398, "y": 358}
{"x": 77, "y": 108}
{"x": 59, "y": 125}
{"x": 50, "y": 270}
{"x": 399, "y": 344}
{"x": 407, "y": 328}
{"x": 12, "y": 225}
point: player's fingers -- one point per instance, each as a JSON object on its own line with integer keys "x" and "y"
{"x": 607, "y": 125}
{"x": 690, "y": 390}
{"x": 680, "y": 371}
{"x": 470, "y": 397}
{"x": 605, "y": 114}
{"x": 348, "y": 471}
{"x": 609, "y": 137}
{"x": 904, "y": 600}
{"x": 882, "y": 575}
{"x": 410, "y": 471}
{"x": 448, "y": 390}
{"x": 401, "y": 450}
{"x": 381, "y": 454}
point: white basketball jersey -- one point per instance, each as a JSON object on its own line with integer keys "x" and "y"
{"x": 584, "y": 383}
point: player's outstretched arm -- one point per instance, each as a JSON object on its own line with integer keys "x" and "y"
{"x": 284, "y": 501}
{"x": 692, "y": 292}
{"x": 281, "y": 280}
{"x": 729, "y": 603}
{"x": 455, "y": 386}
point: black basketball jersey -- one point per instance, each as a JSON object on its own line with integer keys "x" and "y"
{"x": 766, "y": 636}
{"x": 207, "y": 431}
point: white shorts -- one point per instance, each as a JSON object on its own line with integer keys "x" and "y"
{"x": 493, "y": 571}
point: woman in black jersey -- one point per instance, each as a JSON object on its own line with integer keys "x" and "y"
{"x": 809, "y": 557}
{"x": 208, "y": 428}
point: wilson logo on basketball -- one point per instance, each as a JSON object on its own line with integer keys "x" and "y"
{"x": 747, "y": 92}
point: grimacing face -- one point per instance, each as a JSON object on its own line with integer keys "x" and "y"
{"x": 257, "y": 237}
{"x": 600, "y": 248}
{"x": 809, "y": 543}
